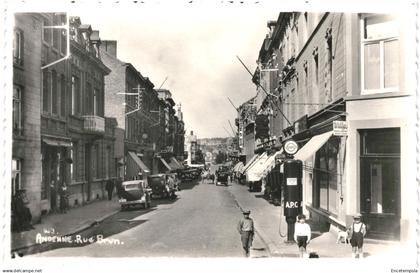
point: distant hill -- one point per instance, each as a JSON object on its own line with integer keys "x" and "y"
{"x": 212, "y": 146}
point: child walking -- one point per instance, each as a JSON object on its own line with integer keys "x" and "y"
{"x": 302, "y": 234}
{"x": 357, "y": 233}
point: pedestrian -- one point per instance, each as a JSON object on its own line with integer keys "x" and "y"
{"x": 109, "y": 188}
{"x": 302, "y": 234}
{"x": 246, "y": 229}
{"x": 357, "y": 232}
{"x": 63, "y": 198}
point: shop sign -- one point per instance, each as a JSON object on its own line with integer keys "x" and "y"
{"x": 339, "y": 128}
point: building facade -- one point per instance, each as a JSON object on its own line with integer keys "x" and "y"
{"x": 341, "y": 83}
{"x": 131, "y": 99}
{"x": 73, "y": 140}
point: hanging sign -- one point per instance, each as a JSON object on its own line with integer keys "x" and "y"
{"x": 339, "y": 128}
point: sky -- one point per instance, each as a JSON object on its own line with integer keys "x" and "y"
{"x": 196, "y": 48}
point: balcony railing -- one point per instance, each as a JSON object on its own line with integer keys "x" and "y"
{"x": 94, "y": 124}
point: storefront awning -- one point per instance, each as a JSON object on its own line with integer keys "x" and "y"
{"x": 177, "y": 163}
{"x": 254, "y": 172}
{"x": 135, "y": 165}
{"x": 238, "y": 167}
{"x": 165, "y": 164}
{"x": 312, "y": 146}
{"x": 270, "y": 163}
{"x": 57, "y": 142}
{"x": 247, "y": 165}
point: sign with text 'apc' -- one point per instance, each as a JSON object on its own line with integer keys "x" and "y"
{"x": 339, "y": 128}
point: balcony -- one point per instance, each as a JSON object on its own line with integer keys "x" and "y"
{"x": 94, "y": 125}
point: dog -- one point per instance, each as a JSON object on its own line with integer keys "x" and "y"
{"x": 343, "y": 237}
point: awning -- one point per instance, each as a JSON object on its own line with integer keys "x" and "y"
{"x": 270, "y": 163}
{"x": 177, "y": 162}
{"x": 238, "y": 167}
{"x": 312, "y": 146}
{"x": 165, "y": 164}
{"x": 57, "y": 142}
{"x": 254, "y": 172}
{"x": 247, "y": 165}
{"x": 135, "y": 165}
{"x": 173, "y": 164}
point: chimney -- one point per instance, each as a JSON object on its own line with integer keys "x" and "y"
{"x": 271, "y": 25}
{"x": 110, "y": 46}
{"x": 96, "y": 42}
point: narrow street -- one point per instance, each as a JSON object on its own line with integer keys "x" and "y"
{"x": 200, "y": 223}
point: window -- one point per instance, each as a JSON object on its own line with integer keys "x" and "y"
{"x": 107, "y": 162}
{"x": 75, "y": 93}
{"x": 18, "y": 47}
{"x": 56, "y": 31}
{"x": 16, "y": 175}
{"x": 54, "y": 92}
{"x": 63, "y": 35}
{"x": 45, "y": 91}
{"x": 88, "y": 99}
{"x": 330, "y": 67}
{"x": 95, "y": 102}
{"x": 98, "y": 161}
{"x": 17, "y": 110}
{"x": 326, "y": 174}
{"x": 316, "y": 70}
{"x": 380, "y": 54}
{"x": 63, "y": 95}
{"x": 381, "y": 142}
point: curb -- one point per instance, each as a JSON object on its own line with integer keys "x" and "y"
{"x": 29, "y": 248}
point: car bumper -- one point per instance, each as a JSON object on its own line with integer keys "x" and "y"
{"x": 125, "y": 202}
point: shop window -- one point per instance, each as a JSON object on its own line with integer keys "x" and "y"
{"x": 44, "y": 175}
{"x": 326, "y": 174}
{"x": 383, "y": 141}
{"x": 16, "y": 175}
{"x": 17, "y": 110}
{"x": 18, "y": 47}
{"x": 380, "y": 54}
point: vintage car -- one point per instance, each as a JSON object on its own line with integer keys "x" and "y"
{"x": 162, "y": 186}
{"x": 133, "y": 193}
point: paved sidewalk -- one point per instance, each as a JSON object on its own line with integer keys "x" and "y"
{"x": 271, "y": 226}
{"x": 75, "y": 220}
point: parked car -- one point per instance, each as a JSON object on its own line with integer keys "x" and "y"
{"x": 161, "y": 186}
{"x": 133, "y": 193}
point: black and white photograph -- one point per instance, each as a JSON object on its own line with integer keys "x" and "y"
{"x": 248, "y": 135}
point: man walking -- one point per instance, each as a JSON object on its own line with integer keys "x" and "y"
{"x": 246, "y": 229}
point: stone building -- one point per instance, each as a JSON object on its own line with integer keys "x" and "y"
{"x": 59, "y": 112}
{"x": 131, "y": 99}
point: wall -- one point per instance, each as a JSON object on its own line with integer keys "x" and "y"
{"x": 382, "y": 113}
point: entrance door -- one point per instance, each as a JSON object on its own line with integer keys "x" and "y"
{"x": 380, "y": 182}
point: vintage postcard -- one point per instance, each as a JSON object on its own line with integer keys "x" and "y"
{"x": 209, "y": 135}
